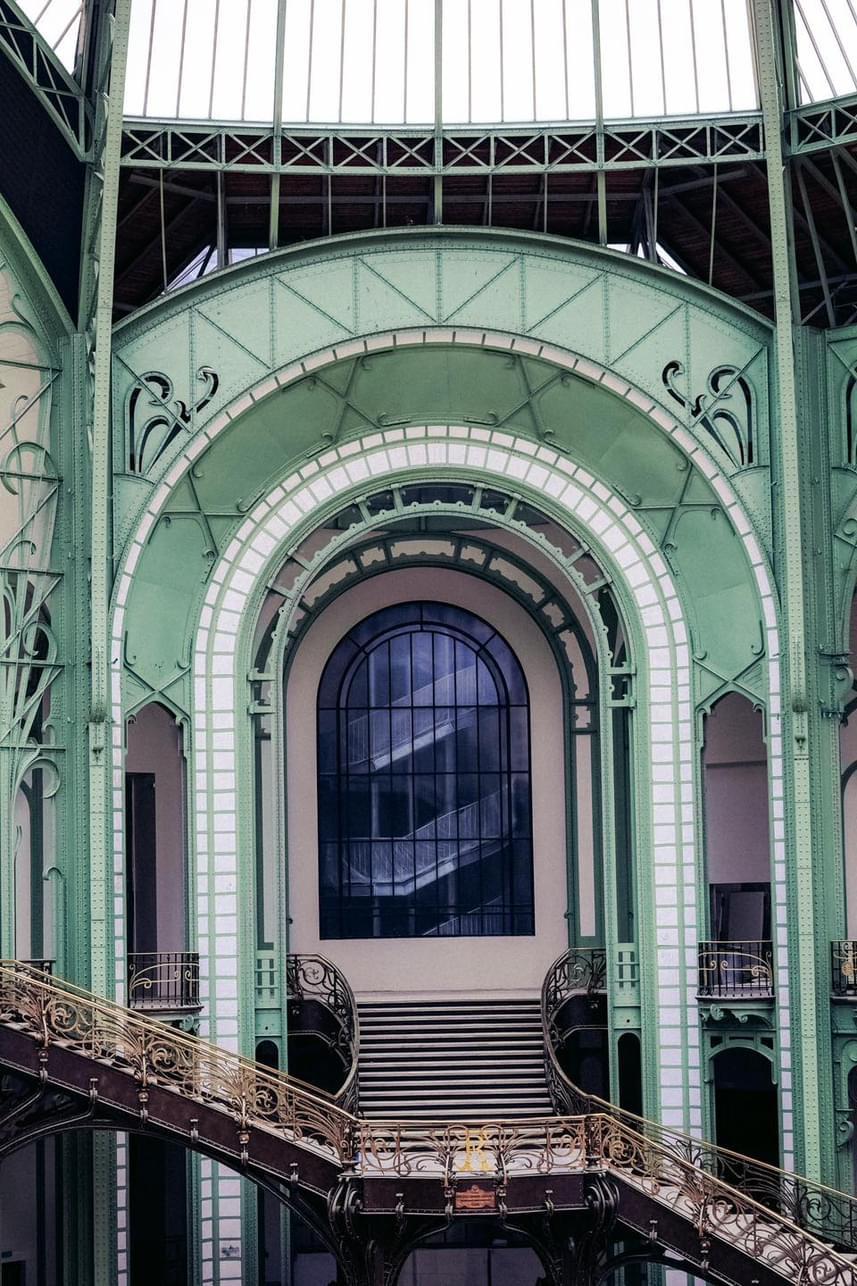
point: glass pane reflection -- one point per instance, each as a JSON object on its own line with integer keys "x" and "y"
{"x": 424, "y": 780}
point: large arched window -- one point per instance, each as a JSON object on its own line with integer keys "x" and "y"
{"x": 424, "y": 780}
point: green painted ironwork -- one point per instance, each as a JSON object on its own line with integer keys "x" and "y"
{"x": 58, "y": 92}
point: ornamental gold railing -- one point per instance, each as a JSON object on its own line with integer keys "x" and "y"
{"x": 604, "y": 1141}
{"x": 823, "y": 1212}
{"x": 315, "y": 978}
{"x": 55, "y": 1012}
{"x": 644, "y": 1156}
{"x": 736, "y": 970}
{"x": 580, "y": 971}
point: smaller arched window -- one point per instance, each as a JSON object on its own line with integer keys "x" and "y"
{"x": 424, "y": 780}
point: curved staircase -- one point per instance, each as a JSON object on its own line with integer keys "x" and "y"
{"x": 578, "y": 1184}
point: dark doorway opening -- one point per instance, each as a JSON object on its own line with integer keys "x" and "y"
{"x": 630, "y": 1074}
{"x": 473, "y": 1253}
{"x": 585, "y": 1059}
{"x": 273, "y": 1270}
{"x": 745, "y": 1105}
{"x": 157, "y": 1205}
{"x": 142, "y": 914}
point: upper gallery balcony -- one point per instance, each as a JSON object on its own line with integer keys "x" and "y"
{"x": 740, "y": 970}
{"x": 165, "y": 982}
{"x": 843, "y": 969}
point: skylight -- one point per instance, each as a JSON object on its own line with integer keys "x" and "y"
{"x": 826, "y": 40}
{"x": 58, "y": 22}
{"x": 366, "y": 62}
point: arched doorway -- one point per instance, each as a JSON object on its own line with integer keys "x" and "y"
{"x": 746, "y": 1104}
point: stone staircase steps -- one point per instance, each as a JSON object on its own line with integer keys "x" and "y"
{"x": 452, "y": 1060}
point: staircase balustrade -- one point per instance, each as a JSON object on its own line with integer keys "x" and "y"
{"x": 579, "y": 971}
{"x": 315, "y": 978}
{"x": 780, "y": 1224}
{"x": 606, "y": 1141}
{"x": 824, "y": 1212}
{"x": 56, "y": 1012}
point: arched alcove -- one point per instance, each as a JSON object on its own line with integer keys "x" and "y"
{"x": 737, "y": 830}
{"x": 428, "y": 963}
{"x": 155, "y": 825}
{"x": 630, "y": 1073}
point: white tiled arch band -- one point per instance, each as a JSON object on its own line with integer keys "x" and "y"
{"x": 497, "y": 441}
{"x": 218, "y": 693}
{"x": 673, "y": 963}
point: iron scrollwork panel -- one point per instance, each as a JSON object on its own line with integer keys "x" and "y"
{"x": 155, "y": 417}
{"x": 725, "y": 409}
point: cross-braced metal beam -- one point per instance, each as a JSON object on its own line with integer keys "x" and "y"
{"x": 57, "y": 91}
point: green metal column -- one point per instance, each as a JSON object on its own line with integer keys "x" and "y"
{"x": 790, "y": 514}
{"x": 96, "y": 322}
{"x": 99, "y": 272}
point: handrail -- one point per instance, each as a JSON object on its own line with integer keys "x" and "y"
{"x": 580, "y": 970}
{"x": 314, "y": 977}
{"x": 812, "y": 1206}
{"x": 602, "y": 1140}
{"x": 56, "y": 1011}
{"x": 152, "y": 1053}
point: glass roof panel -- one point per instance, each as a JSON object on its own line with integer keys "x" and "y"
{"x": 365, "y": 62}
{"x": 58, "y": 21}
{"x": 826, "y": 40}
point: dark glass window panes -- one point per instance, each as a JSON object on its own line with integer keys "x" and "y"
{"x": 424, "y": 780}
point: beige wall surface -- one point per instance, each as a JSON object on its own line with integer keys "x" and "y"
{"x": 432, "y": 966}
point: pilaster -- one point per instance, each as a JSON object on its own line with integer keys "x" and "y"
{"x": 801, "y": 1067}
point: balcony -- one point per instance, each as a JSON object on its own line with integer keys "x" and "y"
{"x": 164, "y": 981}
{"x": 843, "y": 969}
{"x": 736, "y": 970}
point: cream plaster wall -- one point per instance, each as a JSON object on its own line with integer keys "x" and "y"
{"x": 438, "y": 966}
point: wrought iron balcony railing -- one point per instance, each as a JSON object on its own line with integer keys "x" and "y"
{"x": 843, "y": 968}
{"x": 165, "y": 981}
{"x": 736, "y": 970}
{"x": 312, "y": 978}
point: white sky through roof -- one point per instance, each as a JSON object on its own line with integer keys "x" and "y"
{"x": 372, "y": 61}
{"x": 366, "y": 62}
{"x": 58, "y": 22}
